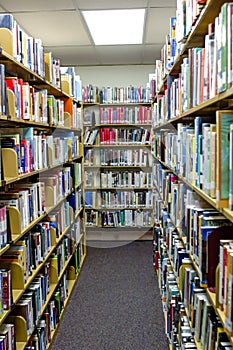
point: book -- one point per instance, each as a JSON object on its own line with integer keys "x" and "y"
{"x": 223, "y": 58}
{"x": 201, "y": 300}
{"x": 24, "y": 307}
{"x": 12, "y": 141}
{"x": 209, "y": 252}
{"x": 229, "y": 52}
{"x": 229, "y": 294}
{"x": 224, "y": 244}
{"x": 230, "y": 205}
{"x": 207, "y": 308}
{"x": 223, "y": 121}
{"x": 7, "y": 298}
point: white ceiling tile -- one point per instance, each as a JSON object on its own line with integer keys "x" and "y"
{"x": 35, "y": 5}
{"x": 106, "y": 4}
{"x": 158, "y": 25}
{"x": 58, "y": 28}
{"x": 61, "y": 27}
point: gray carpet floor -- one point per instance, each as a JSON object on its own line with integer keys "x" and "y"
{"x": 116, "y": 303}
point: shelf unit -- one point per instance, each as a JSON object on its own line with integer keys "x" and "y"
{"x": 176, "y": 188}
{"x": 53, "y": 239}
{"x": 117, "y": 164}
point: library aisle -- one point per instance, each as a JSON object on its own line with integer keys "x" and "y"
{"x": 116, "y": 304}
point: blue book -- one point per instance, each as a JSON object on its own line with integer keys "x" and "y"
{"x": 88, "y": 199}
{"x": 209, "y": 252}
{"x": 7, "y": 21}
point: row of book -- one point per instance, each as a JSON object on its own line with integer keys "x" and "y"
{"x": 123, "y": 136}
{"x": 180, "y": 26}
{"x": 199, "y": 224}
{"x": 193, "y": 217}
{"x": 28, "y": 199}
{"x": 73, "y": 82}
{"x": 209, "y": 241}
{"x": 187, "y": 13}
{"x": 7, "y": 336}
{"x": 196, "y": 327}
{"x": 38, "y": 150}
{"x": 201, "y": 153}
{"x": 42, "y": 333}
{"x": 32, "y": 200}
{"x": 35, "y": 105}
{"x": 40, "y": 326}
{"x": 118, "y": 199}
{"x": 182, "y": 291}
{"x": 30, "y": 52}
{"x": 165, "y": 184}
{"x": 109, "y": 94}
{"x": 106, "y": 179}
{"x": 90, "y": 136}
{"x": 205, "y": 73}
{"x": 125, "y": 115}
{"x": 119, "y": 218}
{"x": 32, "y": 249}
{"x": 26, "y": 49}
{"x": 118, "y": 157}
{"x": 117, "y": 136}
{"x": 29, "y": 252}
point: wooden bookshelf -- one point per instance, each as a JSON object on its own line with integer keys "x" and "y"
{"x": 116, "y": 231}
{"x": 170, "y": 170}
{"x": 65, "y": 232}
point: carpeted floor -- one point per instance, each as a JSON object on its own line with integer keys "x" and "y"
{"x": 116, "y": 303}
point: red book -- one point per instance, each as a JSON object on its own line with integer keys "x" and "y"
{"x": 213, "y": 244}
{"x": 6, "y": 288}
{"x": 106, "y": 135}
{"x": 21, "y": 112}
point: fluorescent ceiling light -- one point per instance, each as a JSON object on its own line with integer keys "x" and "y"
{"x": 115, "y": 27}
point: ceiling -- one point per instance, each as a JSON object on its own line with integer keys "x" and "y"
{"x": 62, "y": 29}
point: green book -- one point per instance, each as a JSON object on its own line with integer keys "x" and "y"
{"x": 224, "y": 48}
{"x": 223, "y": 121}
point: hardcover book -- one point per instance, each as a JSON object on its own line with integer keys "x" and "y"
{"x": 223, "y": 121}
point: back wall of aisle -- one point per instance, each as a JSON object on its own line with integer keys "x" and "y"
{"x": 136, "y": 75}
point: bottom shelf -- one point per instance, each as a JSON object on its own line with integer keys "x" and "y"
{"x": 116, "y": 234}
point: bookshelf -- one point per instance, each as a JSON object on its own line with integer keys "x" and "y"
{"x": 192, "y": 173}
{"x": 117, "y": 165}
{"x": 43, "y": 236}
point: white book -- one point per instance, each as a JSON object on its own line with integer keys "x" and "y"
{"x": 200, "y": 301}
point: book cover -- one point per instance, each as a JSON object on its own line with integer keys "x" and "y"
{"x": 224, "y": 244}
{"x": 209, "y": 252}
{"x": 230, "y": 205}
{"x": 230, "y": 45}
{"x": 224, "y": 58}
{"x": 223, "y": 121}
{"x": 214, "y": 59}
{"x": 7, "y": 21}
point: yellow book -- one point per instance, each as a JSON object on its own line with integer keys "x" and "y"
{"x": 48, "y": 62}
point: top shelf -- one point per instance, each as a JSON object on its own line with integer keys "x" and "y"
{"x": 14, "y": 68}
{"x": 196, "y": 37}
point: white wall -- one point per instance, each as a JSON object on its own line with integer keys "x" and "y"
{"x": 136, "y": 75}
